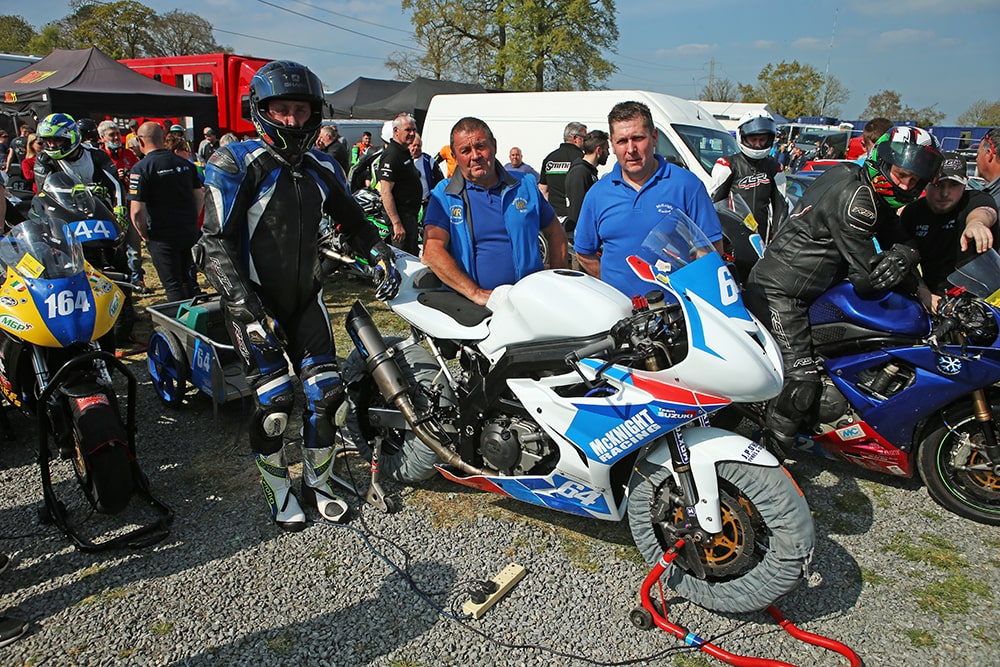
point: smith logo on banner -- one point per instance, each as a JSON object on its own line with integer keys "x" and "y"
{"x": 34, "y": 76}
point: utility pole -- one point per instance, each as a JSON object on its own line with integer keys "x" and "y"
{"x": 829, "y": 55}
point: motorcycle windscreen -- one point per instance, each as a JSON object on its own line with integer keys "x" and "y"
{"x": 981, "y": 276}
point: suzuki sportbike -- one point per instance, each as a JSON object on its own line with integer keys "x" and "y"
{"x": 905, "y": 392}
{"x": 55, "y": 309}
{"x": 102, "y": 237}
{"x": 567, "y": 396}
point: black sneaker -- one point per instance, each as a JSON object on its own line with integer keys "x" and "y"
{"x": 11, "y": 629}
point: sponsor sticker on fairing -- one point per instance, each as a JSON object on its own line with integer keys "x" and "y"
{"x": 852, "y": 432}
{"x": 622, "y": 437}
{"x": 11, "y": 323}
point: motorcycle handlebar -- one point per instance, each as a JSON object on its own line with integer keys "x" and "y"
{"x": 606, "y": 343}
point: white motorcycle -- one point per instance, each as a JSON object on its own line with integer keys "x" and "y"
{"x": 569, "y": 396}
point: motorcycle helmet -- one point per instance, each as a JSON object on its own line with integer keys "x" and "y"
{"x": 59, "y": 134}
{"x": 88, "y": 130}
{"x": 911, "y": 148}
{"x": 756, "y": 122}
{"x": 284, "y": 79}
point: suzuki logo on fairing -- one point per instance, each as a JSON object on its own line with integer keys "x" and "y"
{"x": 622, "y": 437}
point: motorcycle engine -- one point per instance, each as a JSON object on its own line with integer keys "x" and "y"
{"x": 515, "y": 446}
{"x": 833, "y": 411}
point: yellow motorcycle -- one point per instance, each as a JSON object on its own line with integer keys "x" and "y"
{"x": 57, "y": 364}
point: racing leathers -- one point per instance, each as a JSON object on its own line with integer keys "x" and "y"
{"x": 828, "y": 237}
{"x": 758, "y": 182}
{"x": 259, "y": 250}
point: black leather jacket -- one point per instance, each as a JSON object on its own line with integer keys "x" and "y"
{"x": 262, "y": 220}
{"x": 828, "y": 237}
{"x": 104, "y": 172}
{"x": 756, "y": 181}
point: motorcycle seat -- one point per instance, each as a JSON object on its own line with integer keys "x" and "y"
{"x": 455, "y": 306}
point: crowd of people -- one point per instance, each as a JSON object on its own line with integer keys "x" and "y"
{"x": 263, "y": 200}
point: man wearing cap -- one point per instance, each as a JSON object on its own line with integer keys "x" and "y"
{"x": 208, "y": 145}
{"x": 950, "y": 225}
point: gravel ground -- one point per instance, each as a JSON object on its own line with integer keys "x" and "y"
{"x": 896, "y": 577}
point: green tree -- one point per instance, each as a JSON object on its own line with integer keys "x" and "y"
{"x": 16, "y": 34}
{"x": 720, "y": 90}
{"x": 120, "y": 29}
{"x": 793, "y": 89}
{"x": 510, "y": 44}
{"x": 982, "y": 114}
{"x": 889, "y": 104}
{"x": 178, "y": 33}
{"x": 51, "y": 37}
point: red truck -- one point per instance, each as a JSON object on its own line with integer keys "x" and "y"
{"x": 224, "y": 75}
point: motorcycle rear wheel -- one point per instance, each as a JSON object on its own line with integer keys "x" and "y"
{"x": 105, "y": 474}
{"x": 404, "y": 457}
{"x": 764, "y": 547}
{"x": 944, "y": 461}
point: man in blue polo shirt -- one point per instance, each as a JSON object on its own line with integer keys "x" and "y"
{"x": 623, "y": 207}
{"x": 481, "y": 227}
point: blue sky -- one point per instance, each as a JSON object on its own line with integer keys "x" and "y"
{"x": 930, "y": 51}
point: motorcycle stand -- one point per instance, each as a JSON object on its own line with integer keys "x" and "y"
{"x": 649, "y": 614}
{"x": 54, "y": 510}
{"x": 375, "y": 496}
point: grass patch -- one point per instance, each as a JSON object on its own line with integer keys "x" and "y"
{"x": 951, "y": 595}
{"x": 932, "y": 549}
{"x": 404, "y": 663}
{"x": 920, "y": 638}
{"x": 872, "y": 577}
{"x": 629, "y": 554}
{"x": 107, "y": 595}
{"x": 577, "y": 550}
{"x": 126, "y": 652}
{"x": 690, "y": 661}
{"x": 163, "y": 628}
{"x": 281, "y": 644}
{"x": 854, "y": 502}
{"x": 91, "y": 571}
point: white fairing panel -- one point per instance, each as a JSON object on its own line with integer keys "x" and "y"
{"x": 550, "y": 305}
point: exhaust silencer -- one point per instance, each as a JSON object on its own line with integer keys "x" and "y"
{"x": 393, "y": 387}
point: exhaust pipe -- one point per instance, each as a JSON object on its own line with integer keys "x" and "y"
{"x": 394, "y": 388}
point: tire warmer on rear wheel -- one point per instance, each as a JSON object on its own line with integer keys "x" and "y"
{"x": 142, "y": 536}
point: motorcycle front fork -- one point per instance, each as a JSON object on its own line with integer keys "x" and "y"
{"x": 687, "y": 528}
{"x": 984, "y": 417}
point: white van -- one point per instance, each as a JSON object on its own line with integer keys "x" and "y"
{"x": 535, "y": 122}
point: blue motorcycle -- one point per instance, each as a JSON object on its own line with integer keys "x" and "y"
{"x": 906, "y": 391}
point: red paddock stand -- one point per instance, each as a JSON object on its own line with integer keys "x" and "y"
{"x": 646, "y": 616}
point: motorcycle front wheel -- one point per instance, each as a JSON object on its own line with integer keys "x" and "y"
{"x": 953, "y": 463}
{"x": 762, "y": 551}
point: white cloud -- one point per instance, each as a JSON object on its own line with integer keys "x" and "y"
{"x": 765, "y": 44}
{"x": 688, "y": 50}
{"x": 906, "y": 37}
{"x": 810, "y": 43}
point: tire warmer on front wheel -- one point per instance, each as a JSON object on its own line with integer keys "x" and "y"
{"x": 142, "y": 536}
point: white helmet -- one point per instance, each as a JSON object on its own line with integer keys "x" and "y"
{"x": 756, "y": 122}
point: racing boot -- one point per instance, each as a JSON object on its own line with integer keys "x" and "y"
{"x": 285, "y": 508}
{"x": 316, "y": 465}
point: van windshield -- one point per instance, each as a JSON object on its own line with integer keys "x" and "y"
{"x": 708, "y": 145}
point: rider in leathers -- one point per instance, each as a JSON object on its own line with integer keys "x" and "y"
{"x": 829, "y": 237}
{"x": 752, "y": 173}
{"x": 65, "y": 152}
{"x": 263, "y": 206}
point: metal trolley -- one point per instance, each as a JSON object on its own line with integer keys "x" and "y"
{"x": 189, "y": 344}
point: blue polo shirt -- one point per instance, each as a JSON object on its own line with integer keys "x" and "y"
{"x": 617, "y": 217}
{"x": 493, "y": 252}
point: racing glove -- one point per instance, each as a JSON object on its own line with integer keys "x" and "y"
{"x": 892, "y": 266}
{"x": 263, "y": 330}
{"x": 384, "y": 273}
